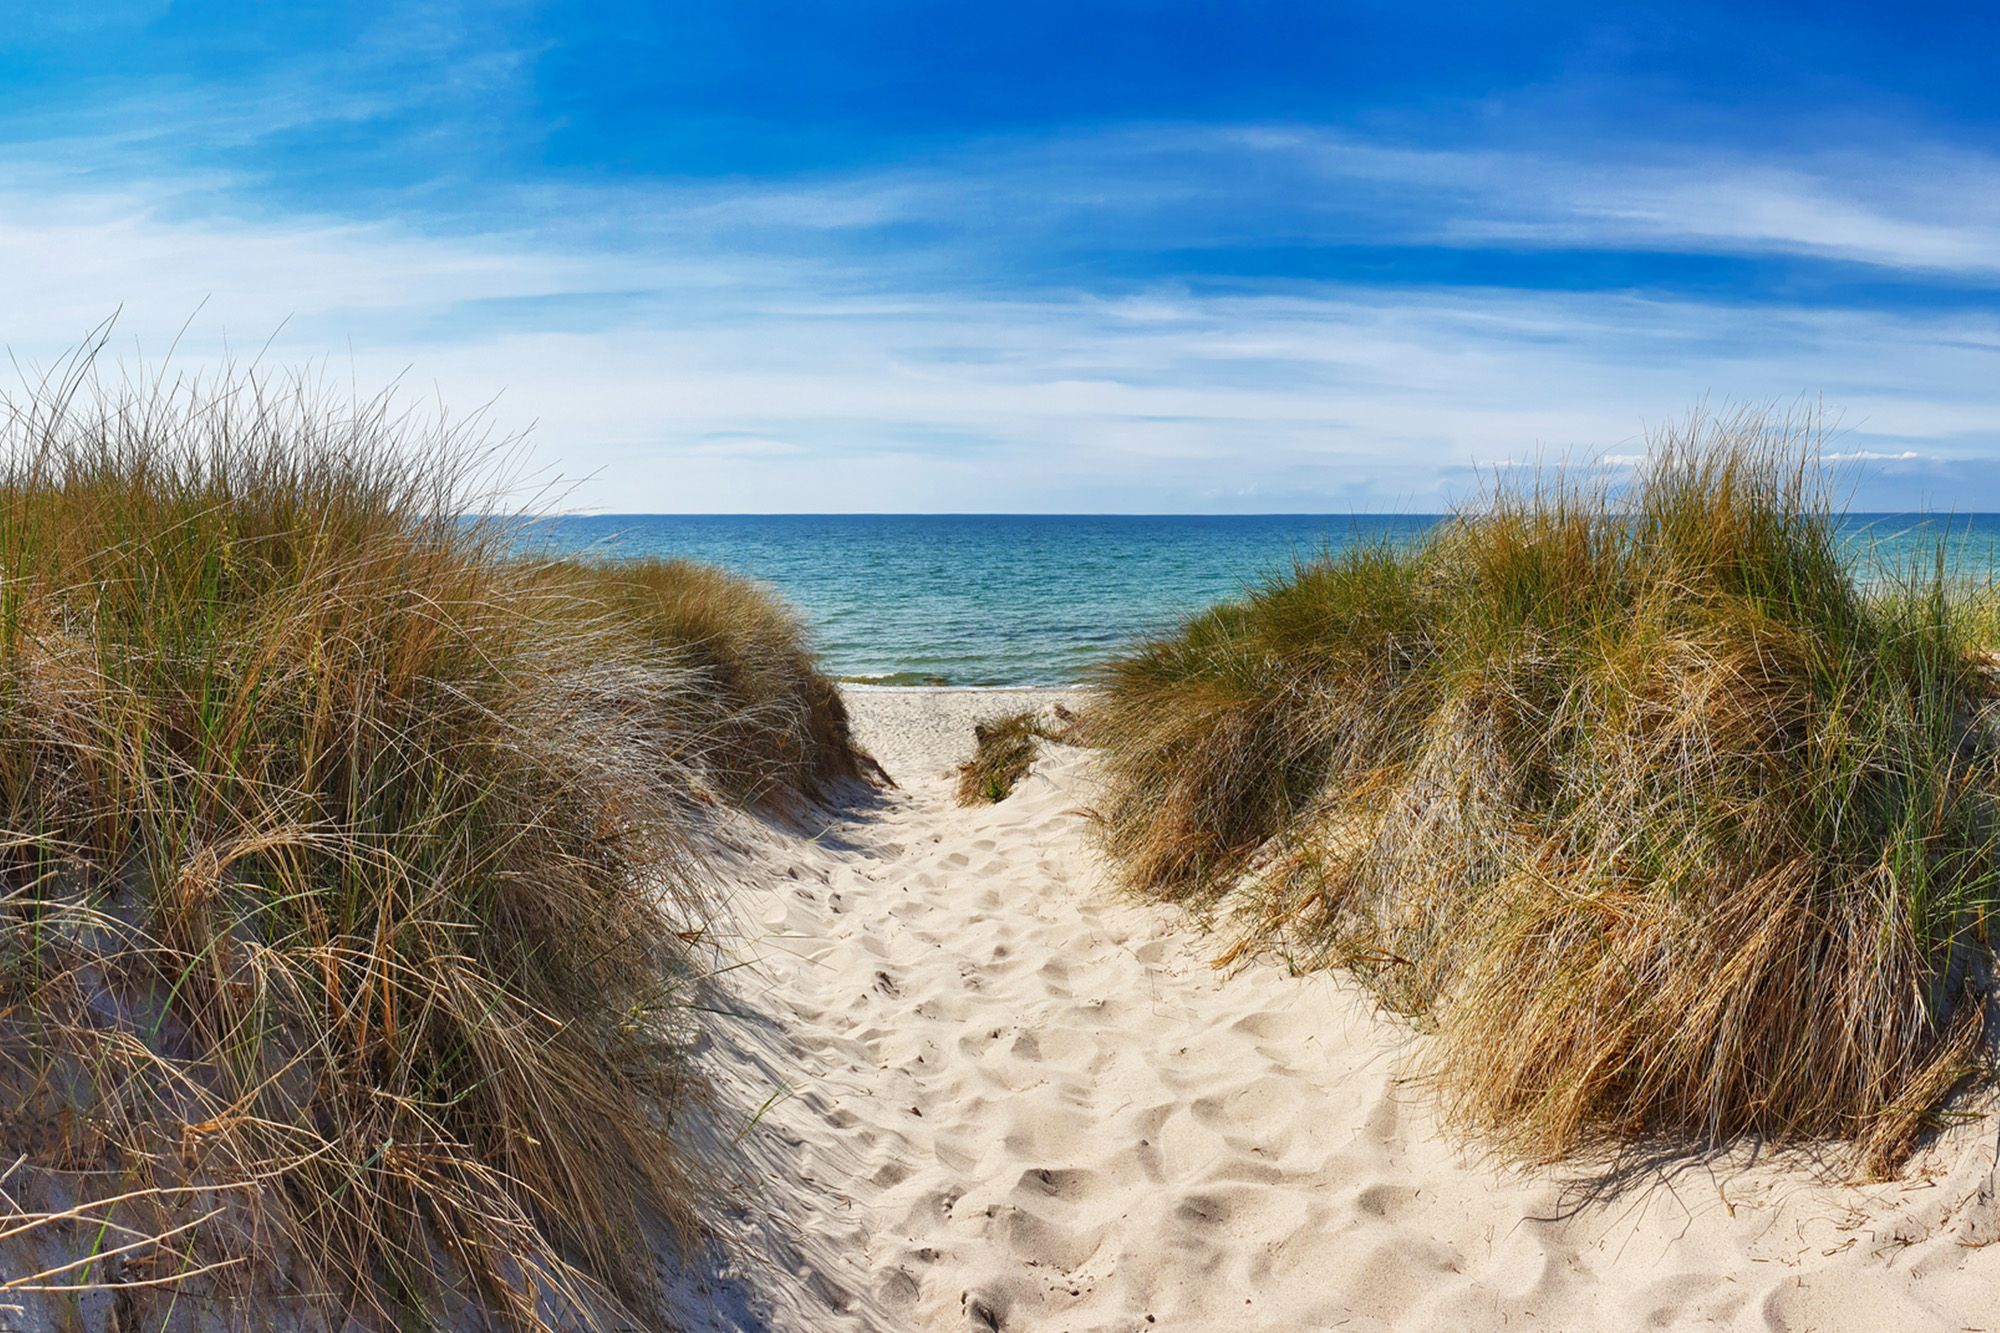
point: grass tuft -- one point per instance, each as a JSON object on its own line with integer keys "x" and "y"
{"x": 1005, "y": 750}
{"x": 347, "y": 907}
{"x": 1661, "y": 824}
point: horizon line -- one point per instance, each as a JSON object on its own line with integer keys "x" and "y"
{"x": 1012, "y": 513}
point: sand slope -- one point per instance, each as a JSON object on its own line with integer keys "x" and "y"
{"x": 1008, "y": 1099}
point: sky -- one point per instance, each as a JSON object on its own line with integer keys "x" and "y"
{"x": 1091, "y": 256}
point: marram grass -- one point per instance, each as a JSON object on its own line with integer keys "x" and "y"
{"x": 1661, "y": 825}
{"x": 347, "y": 912}
{"x": 767, "y": 723}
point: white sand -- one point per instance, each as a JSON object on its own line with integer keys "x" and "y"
{"x": 1010, "y": 1099}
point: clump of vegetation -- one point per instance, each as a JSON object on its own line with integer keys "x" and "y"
{"x": 753, "y": 712}
{"x": 347, "y": 907}
{"x": 1662, "y": 824}
{"x": 1006, "y": 748}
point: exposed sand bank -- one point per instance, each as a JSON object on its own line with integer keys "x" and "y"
{"x": 1009, "y": 1099}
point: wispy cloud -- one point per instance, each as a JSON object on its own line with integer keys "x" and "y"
{"x": 1877, "y": 212}
{"x": 1898, "y": 207}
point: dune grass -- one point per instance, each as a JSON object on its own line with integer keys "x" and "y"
{"x": 1005, "y": 749}
{"x": 767, "y": 723}
{"x": 1661, "y": 825}
{"x": 347, "y": 916}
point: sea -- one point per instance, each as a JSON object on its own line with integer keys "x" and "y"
{"x": 1029, "y": 599}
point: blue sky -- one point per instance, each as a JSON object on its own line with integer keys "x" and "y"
{"x": 1048, "y": 257}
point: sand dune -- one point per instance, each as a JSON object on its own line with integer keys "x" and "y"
{"x": 1006, "y": 1098}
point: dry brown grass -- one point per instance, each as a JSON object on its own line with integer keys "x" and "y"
{"x": 1005, "y": 749}
{"x": 1661, "y": 825}
{"x": 346, "y": 916}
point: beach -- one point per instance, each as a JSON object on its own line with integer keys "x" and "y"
{"x": 1061, "y": 668}
{"x": 1560, "y": 921}
{"x": 991, "y": 1092}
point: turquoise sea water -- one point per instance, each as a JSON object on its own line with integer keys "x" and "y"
{"x": 1032, "y": 599}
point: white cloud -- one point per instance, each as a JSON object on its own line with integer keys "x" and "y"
{"x": 732, "y": 445}
{"x": 1749, "y": 208}
{"x": 1910, "y": 207}
{"x": 737, "y": 347}
{"x": 1370, "y": 398}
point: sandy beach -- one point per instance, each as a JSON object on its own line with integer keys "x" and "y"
{"x": 1006, "y": 1098}
{"x": 1051, "y": 667}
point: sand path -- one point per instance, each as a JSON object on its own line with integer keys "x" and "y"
{"x": 1008, "y": 1099}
